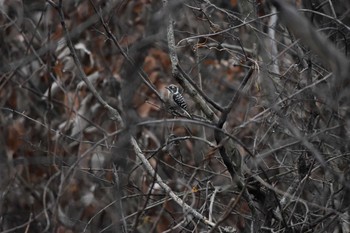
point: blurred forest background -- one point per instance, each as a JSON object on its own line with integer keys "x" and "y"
{"x": 88, "y": 142}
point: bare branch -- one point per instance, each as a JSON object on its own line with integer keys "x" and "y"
{"x": 167, "y": 189}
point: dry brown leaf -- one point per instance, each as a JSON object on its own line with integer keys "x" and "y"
{"x": 14, "y": 141}
{"x": 150, "y": 64}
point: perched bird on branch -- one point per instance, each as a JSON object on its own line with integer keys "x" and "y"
{"x": 177, "y": 101}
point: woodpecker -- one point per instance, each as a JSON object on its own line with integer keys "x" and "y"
{"x": 176, "y": 100}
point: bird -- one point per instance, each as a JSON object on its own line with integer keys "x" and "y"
{"x": 176, "y": 100}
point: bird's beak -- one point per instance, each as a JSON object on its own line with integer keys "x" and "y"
{"x": 167, "y": 88}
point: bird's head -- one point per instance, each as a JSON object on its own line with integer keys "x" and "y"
{"x": 172, "y": 88}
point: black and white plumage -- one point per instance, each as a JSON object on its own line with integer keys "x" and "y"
{"x": 176, "y": 100}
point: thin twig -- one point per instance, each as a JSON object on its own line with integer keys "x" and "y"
{"x": 140, "y": 71}
{"x": 166, "y": 188}
{"x": 113, "y": 112}
{"x": 194, "y": 85}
